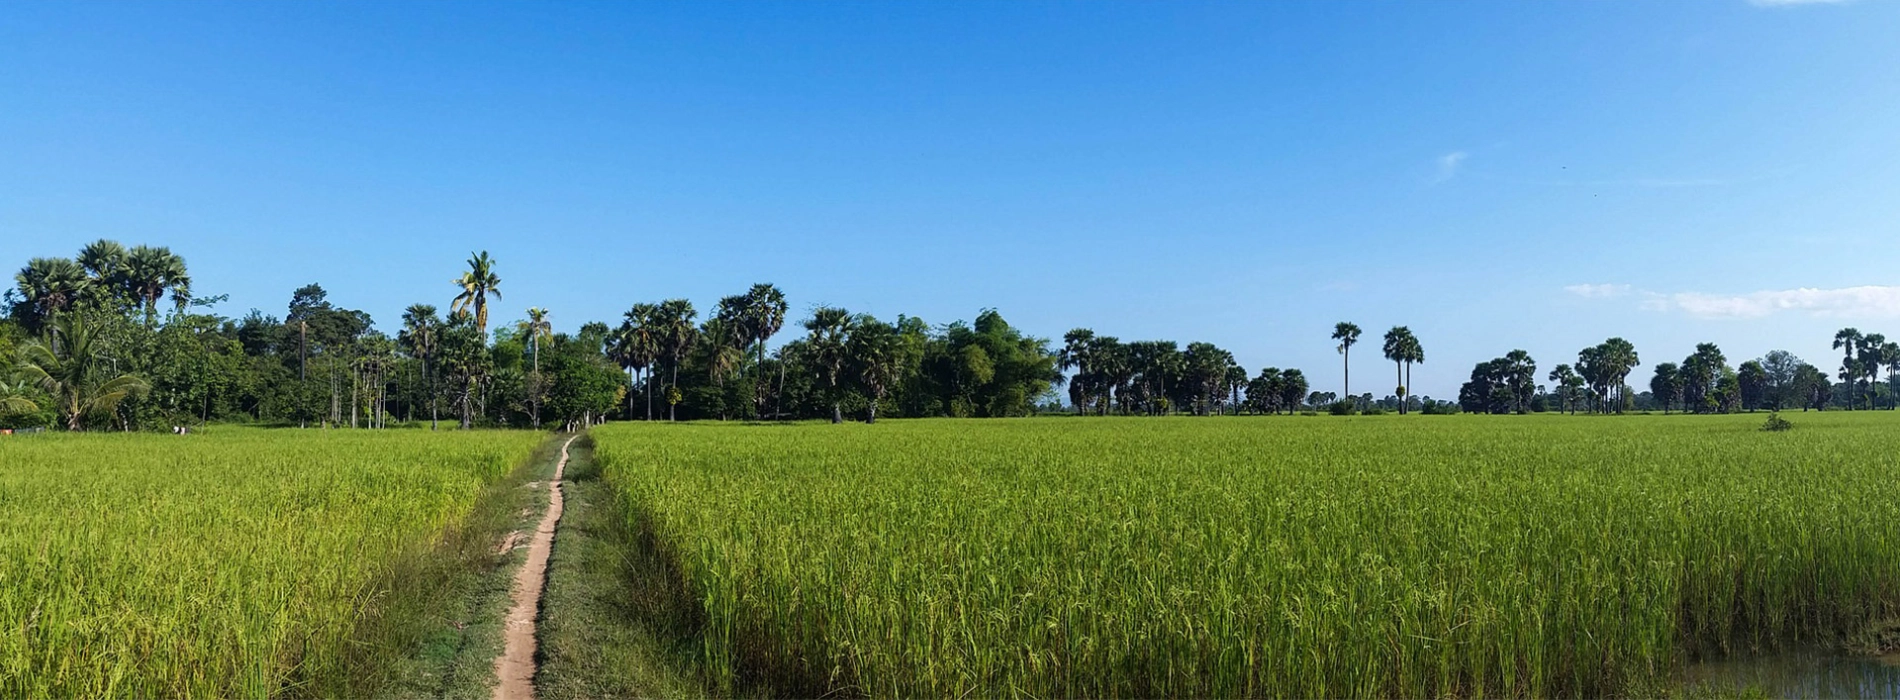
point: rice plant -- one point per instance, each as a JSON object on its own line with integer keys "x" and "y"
{"x": 1284, "y": 557}
{"x": 232, "y": 563}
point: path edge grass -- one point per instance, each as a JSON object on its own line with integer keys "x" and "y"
{"x": 433, "y": 625}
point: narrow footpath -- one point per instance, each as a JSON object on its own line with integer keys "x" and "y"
{"x": 515, "y": 668}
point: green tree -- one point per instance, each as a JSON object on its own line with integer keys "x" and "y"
{"x": 1347, "y": 334}
{"x": 477, "y": 285}
{"x": 764, "y": 316}
{"x": 536, "y": 329}
{"x": 421, "y": 330}
{"x": 828, "y": 334}
{"x": 674, "y": 322}
{"x": 1752, "y": 384}
{"x": 151, "y": 272}
{"x": 79, "y": 377}
{"x": 1847, "y": 340}
{"x": 1666, "y": 384}
{"x": 1400, "y": 345}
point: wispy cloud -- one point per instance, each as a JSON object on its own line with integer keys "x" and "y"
{"x": 1598, "y": 291}
{"x": 1449, "y": 164}
{"x": 1792, "y": 3}
{"x": 1869, "y": 301}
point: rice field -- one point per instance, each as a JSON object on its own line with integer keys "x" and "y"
{"x": 1286, "y": 557}
{"x": 232, "y": 563}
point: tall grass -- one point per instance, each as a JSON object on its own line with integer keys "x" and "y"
{"x": 233, "y": 563}
{"x": 1289, "y": 557}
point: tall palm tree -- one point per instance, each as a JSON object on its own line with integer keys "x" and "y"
{"x": 1846, "y": 340}
{"x": 676, "y": 335}
{"x": 1414, "y": 353}
{"x": 51, "y": 285}
{"x": 829, "y": 330}
{"x": 1398, "y": 348}
{"x": 479, "y": 283}
{"x": 150, "y": 272}
{"x": 104, "y": 262}
{"x": 536, "y": 328}
{"x": 1347, "y": 334}
{"x": 765, "y": 316}
{"x": 723, "y": 338}
{"x": 641, "y": 345}
{"x": 878, "y": 355}
{"x": 1075, "y": 355}
{"x": 1891, "y": 352}
{"x": 79, "y": 376}
{"x": 420, "y": 333}
{"x": 1872, "y": 358}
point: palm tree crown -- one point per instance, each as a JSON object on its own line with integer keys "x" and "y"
{"x": 479, "y": 283}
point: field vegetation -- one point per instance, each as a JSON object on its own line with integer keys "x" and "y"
{"x": 1291, "y": 557}
{"x": 232, "y": 563}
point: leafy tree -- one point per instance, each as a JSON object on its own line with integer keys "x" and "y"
{"x": 1666, "y": 385}
{"x": 1780, "y": 367}
{"x": 1873, "y": 356}
{"x": 1292, "y": 386}
{"x": 1752, "y": 384}
{"x": 879, "y": 358}
{"x": 1569, "y": 386}
{"x": 49, "y": 286}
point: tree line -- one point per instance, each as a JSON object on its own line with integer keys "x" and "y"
{"x": 114, "y": 338}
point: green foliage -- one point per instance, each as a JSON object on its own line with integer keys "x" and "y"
{"x": 1244, "y": 558}
{"x": 1342, "y": 408}
{"x": 1776, "y": 423}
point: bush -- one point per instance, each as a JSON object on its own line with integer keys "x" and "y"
{"x": 1341, "y": 408}
{"x": 1374, "y": 411}
{"x": 1776, "y": 423}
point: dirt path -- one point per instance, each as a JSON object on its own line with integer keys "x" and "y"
{"x": 514, "y": 669}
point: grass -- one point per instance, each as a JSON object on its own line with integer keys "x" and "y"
{"x": 1376, "y": 556}
{"x": 598, "y": 637}
{"x": 233, "y": 562}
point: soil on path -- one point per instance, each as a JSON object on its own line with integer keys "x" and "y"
{"x": 514, "y": 669}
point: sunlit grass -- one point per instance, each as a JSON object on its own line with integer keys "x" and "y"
{"x": 1297, "y": 557}
{"x": 233, "y": 563}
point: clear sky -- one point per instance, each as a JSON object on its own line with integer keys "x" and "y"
{"x": 1495, "y": 175}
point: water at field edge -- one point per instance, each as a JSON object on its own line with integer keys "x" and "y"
{"x": 1804, "y": 675}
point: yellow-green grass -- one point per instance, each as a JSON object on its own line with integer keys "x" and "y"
{"x": 231, "y": 563}
{"x": 1406, "y": 556}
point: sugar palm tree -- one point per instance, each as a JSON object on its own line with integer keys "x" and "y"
{"x": 420, "y": 333}
{"x": 1846, "y": 340}
{"x": 79, "y": 377}
{"x": 1399, "y": 343}
{"x": 104, "y": 262}
{"x": 674, "y": 321}
{"x": 640, "y": 345}
{"x": 765, "y": 316}
{"x": 51, "y": 286}
{"x": 877, "y": 353}
{"x": 1347, "y": 334}
{"x": 829, "y": 330}
{"x": 536, "y": 328}
{"x": 479, "y": 283}
{"x": 150, "y": 272}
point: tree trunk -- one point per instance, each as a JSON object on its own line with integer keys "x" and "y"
{"x": 872, "y": 417}
{"x": 1346, "y": 362}
{"x": 673, "y": 407}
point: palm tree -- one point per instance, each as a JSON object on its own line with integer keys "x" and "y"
{"x": 878, "y": 354}
{"x": 104, "y": 262}
{"x": 1347, "y": 334}
{"x": 420, "y": 333}
{"x": 1414, "y": 353}
{"x": 1075, "y": 355}
{"x": 1846, "y": 339}
{"x": 79, "y": 377}
{"x": 640, "y": 346}
{"x": 674, "y": 321}
{"x": 51, "y": 285}
{"x": 1890, "y": 351}
{"x": 1872, "y": 357}
{"x": 723, "y": 338}
{"x": 830, "y": 329}
{"x": 477, "y": 285}
{"x": 536, "y": 328}
{"x": 1398, "y": 348}
{"x": 150, "y": 272}
{"x": 765, "y": 315}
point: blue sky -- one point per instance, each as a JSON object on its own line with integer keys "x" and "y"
{"x": 1495, "y": 175}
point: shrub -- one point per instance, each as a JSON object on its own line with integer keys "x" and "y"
{"x": 1341, "y": 408}
{"x": 1776, "y": 423}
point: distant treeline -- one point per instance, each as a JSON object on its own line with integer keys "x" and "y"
{"x": 115, "y": 338}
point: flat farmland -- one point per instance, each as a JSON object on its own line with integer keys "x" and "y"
{"x": 1290, "y": 556}
{"x": 236, "y": 562}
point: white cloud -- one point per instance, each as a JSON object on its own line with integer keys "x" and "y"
{"x": 1792, "y": 3}
{"x": 1449, "y": 164}
{"x": 1874, "y": 301}
{"x": 1598, "y": 291}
